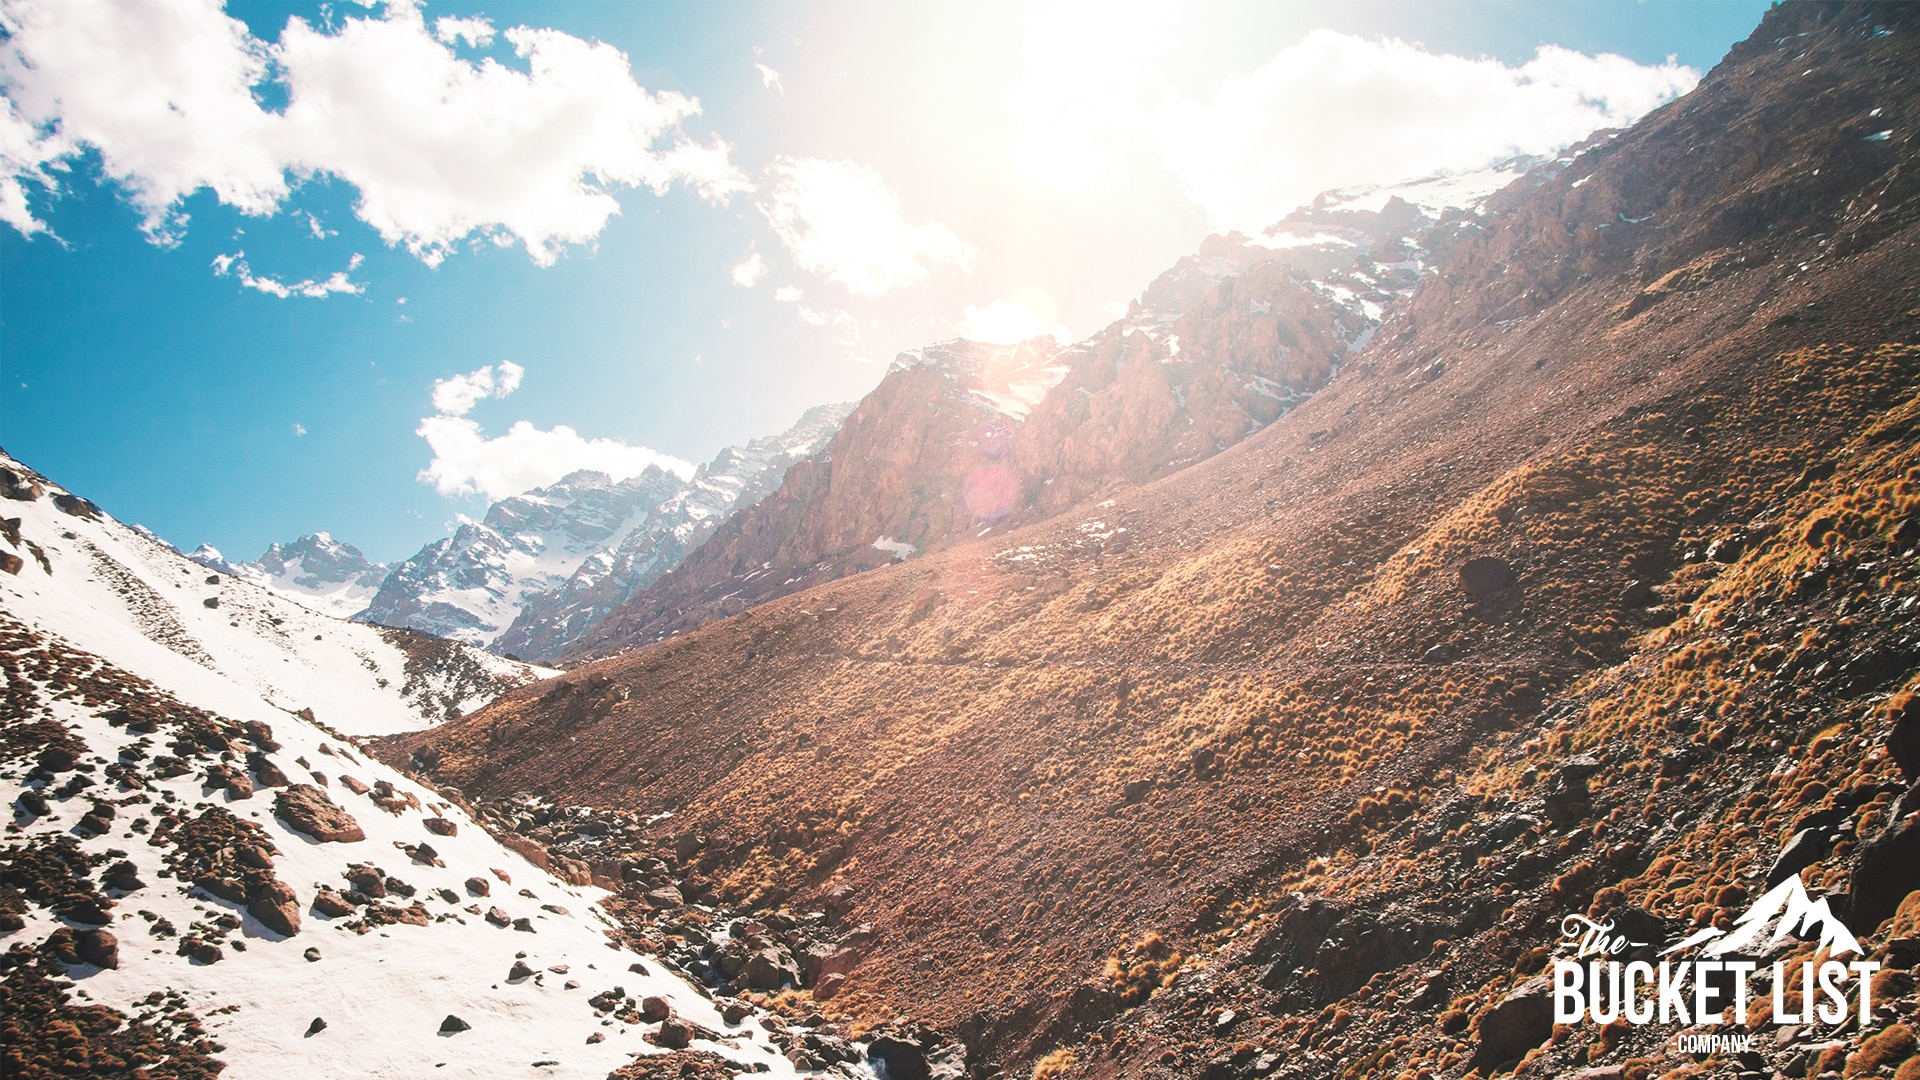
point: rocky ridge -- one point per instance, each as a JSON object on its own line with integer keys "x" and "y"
{"x": 316, "y": 570}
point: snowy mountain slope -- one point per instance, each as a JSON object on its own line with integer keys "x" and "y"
{"x": 317, "y": 571}
{"x": 542, "y": 568}
{"x": 117, "y": 592}
{"x": 191, "y": 835}
{"x": 383, "y": 974}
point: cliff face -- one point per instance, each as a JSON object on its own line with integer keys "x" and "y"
{"x": 1583, "y": 587}
{"x": 964, "y": 439}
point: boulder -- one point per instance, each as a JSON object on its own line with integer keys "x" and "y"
{"x": 665, "y": 897}
{"x": 440, "y": 826}
{"x": 453, "y": 1025}
{"x": 1486, "y": 575}
{"x": 269, "y": 774}
{"x": 331, "y": 904}
{"x": 898, "y": 1059}
{"x": 824, "y": 960}
{"x": 827, "y": 987}
{"x": 654, "y": 1009}
{"x": 677, "y": 1034}
{"x": 1804, "y": 848}
{"x": 1521, "y": 1021}
{"x": 519, "y": 971}
{"x": 499, "y": 918}
{"x": 478, "y": 886}
{"x": 367, "y": 881}
{"x": 98, "y": 947}
{"x": 771, "y": 969}
{"x": 319, "y": 1025}
{"x": 276, "y": 906}
{"x": 307, "y": 808}
{"x": 1903, "y": 739}
{"x": 1888, "y": 869}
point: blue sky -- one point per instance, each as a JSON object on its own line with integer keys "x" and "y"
{"x": 858, "y": 179}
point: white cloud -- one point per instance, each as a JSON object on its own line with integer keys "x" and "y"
{"x": 840, "y": 220}
{"x": 788, "y": 294}
{"x": 439, "y": 148}
{"x": 1332, "y": 110}
{"x": 337, "y": 282}
{"x": 769, "y": 78}
{"x": 748, "y": 272}
{"x": 456, "y": 395}
{"x": 1027, "y": 314}
{"x": 299, "y": 430}
{"x": 474, "y": 31}
{"x": 467, "y": 462}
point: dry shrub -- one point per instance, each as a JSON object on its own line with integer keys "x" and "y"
{"x": 1893, "y": 1043}
{"x": 1055, "y": 1064}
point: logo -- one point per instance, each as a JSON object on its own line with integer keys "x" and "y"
{"x": 1605, "y": 976}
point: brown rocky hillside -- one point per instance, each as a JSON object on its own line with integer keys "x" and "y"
{"x": 1586, "y": 587}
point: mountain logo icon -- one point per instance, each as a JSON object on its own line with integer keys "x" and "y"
{"x": 1790, "y": 911}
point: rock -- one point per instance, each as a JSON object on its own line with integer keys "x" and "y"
{"x": 734, "y": 1010}
{"x": 898, "y": 1059}
{"x": 1485, "y": 575}
{"x": 123, "y": 876}
{"x": 312, "y": 954}
{"x": 1638, "y": 594}
{"x": 260, "y": 735}
{"x": 32, "y": 803}
{"x": 367, "y": 881}
{"x": 1439, "y": 654}
{"x": 478, "y": 887}
{"x": 1903, "y": 741}
{"x": 827, "y": 987}
{"x": 678, "y": 1034}
{"x": 307, "y": 808}
{"x": 1888, "y": 869}
{"x": 1577, "y": 770}
{"x": 771, "y": 969}
{"x": 824, "y": 960}
{"x": 1804, "y": 848}
{"x": 654, "y": 1009}
{"x": 1136, "y": 789}
{"x": 276, "y": 906}
{"x": 11, "y": 563}
{"x": 1521, "y": 1021}
{"x": 665, "y": 897}
{"x": 453, "y": 1025}
{"x": 58, "y": 759}
{"x": 316, "y": 1027}
{"x": 98, "y": 947}
{"x": 519, "y": 971}
{"x": 440, "y": 826}
{"x": 499, "y": 918}
{"x": 1568, "y": 805}
{"x": 211, "y": 601}
{"x": 263, "y": 767}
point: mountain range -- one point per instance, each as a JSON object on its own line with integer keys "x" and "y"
{"x": 1249, "y": 690}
